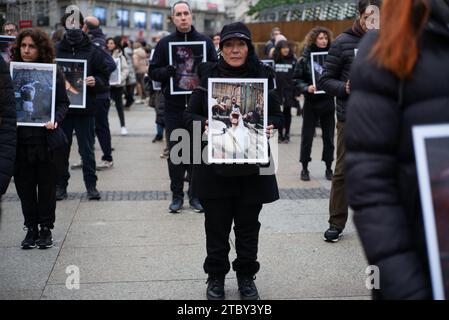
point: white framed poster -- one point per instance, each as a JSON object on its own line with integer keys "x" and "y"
{"x": 186, "y": 56}
{"x": 75, "y": 72}
{"x": 317, "y": 60}
{"x": 156, "y": 85}
{"x": 432, "y": 159}
{"x": 268, "y": 63}
{"x": 116, "y": 75}
{"x": 6, "y": 43}
{"x": 237, "y": 115}
{"x": 34, "y": 87}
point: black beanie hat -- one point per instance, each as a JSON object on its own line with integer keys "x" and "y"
{"x": 235, "y": 30}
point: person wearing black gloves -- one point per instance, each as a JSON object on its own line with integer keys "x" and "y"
{"x": 40, "y": 150}
{"x": 161, "y": 71}
{"x": 335, "y": 82}
{"x": 232, "y": 192}
{"x": 7, "y": 128}
{"x": 77, "y": 45}
{"x": 316, "y": 106}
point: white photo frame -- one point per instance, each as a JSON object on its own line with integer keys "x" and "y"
{"x": 431, "y": 145}
{"x": 34, "y": 86}
{"x": 268, "y": 62}
{"x": 156, "y": 85}
{"x": 185, "y": 56}
{"x": 243, "y": 141}
{"x": 116, "y": 76}
{"x": 317, "y": 60}
{"x": 6, "y": 43}
{"x": 75, "y": 81}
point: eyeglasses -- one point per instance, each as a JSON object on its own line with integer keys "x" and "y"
{"x": 9, "y": 31}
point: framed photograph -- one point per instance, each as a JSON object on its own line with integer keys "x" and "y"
{"x": 34, "y": 87}
{"x": 237, "y": 112}
{"x": 75, "y": 72}
{"x": 432, "y": 158}
{"x": 186, "y": 56}
{"x": 268, "y": 63}
{"x": 317, "y": 63}
{"x": 6, "y": 43}
{"x": 116, "y": 76}
{"x": 156, "y": 85}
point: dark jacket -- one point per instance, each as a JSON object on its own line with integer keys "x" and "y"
{"x": 213, "y": 181}
{"x": 56, "y": 138}
{"x": 338, "y": 66}
{"x": 158, "y": 66}
{"x": 382, "y": 183}
{"x": 285, "y": 86}
{"x": 7, "y": 127}
{"x": 97, "y": 66}
{"x": 323, "y": 103}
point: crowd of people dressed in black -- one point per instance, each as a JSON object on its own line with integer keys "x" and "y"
{"x": 369, "y": 87}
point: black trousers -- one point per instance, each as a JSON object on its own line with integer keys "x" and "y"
{"x": 102, "y": 128}
{"x": 35, "y": 175}
{"x": 117, "y": 96}
{"x": 129, "y": 95}
{"x": 84, "y": 127}
{"x": 327, "y": 121}
{"x": 173, "y": 121}
{"x": 219, "y": 215}
{"x": 287, "y": 120}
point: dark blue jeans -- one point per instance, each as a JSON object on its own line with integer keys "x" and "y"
{"x": 84, "y": 127}
{"x": 102, "y": 128}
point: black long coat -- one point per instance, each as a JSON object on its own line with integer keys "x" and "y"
{"x": 382, "y": 183}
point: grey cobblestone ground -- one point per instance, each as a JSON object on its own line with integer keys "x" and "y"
{"x": 127, "y": 246}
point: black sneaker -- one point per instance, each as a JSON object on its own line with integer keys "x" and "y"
{"x": 215, "y": 288}
{"x": 196, "y": 206}
{"x": 61, "y": 193}
{"x": 157, "y": 138}
{"x": 329, "y": 174}
{"x": 287, "y": 138}
{"x": 305, "y": 175}
{"x": 30, "y": 239}
{"x": 45, "y": 238}
{"x": 176, "y": 205}
{"x": 93, "y": 194}
{"x": 332, "y": 235}
{"x": 247, "y": 287}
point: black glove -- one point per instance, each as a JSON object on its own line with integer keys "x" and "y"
{"x": 171, "y": 71}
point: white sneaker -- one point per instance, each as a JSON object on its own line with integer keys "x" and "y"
{"x": 105, "y": 165}
{"x": 77, "y": 165}
{"x": 123, "y": 131}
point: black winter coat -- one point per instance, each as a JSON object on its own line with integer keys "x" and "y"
{"x": 7, "y": 127}
{"x": 158, "y": 66}
{"x": 98, "y": 66}
{"x": 323, "y": 103}
{"x": 56, "y": 138}
{"x": 382, "y": 183}
{"x": 208, "y": 181}
{"x": 338, "y": 66}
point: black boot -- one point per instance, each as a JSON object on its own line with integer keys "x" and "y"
{"x": 31, "y": 237}
{"x": 247, "y": 287}
{"x": 61, "y": 193}
{"x": 215, "y": 287}
{"x": 45, "y": 238}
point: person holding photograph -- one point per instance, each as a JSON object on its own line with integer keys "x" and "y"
{"x": 284, "y": 67}
{"x": 232, "y": 192}
{"x": 335, "y": 82}
{"x": 317, "y": 107}
{"x": 393, "y": 90}
{"x": 161, "y": 71}
{"x": 40, "y": 150}
{"x": 115, "y": 50}
{"x": 77, "y": 45}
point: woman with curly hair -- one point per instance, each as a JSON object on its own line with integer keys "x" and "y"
{"x": 317, "y": 107}
{"x": 285, "y": 63}
{"x": 39, "y": 149}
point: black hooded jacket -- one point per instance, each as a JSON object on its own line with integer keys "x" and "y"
{"x": 158, "y": 66}
{"x": 97, "y": 66}
{"x": 338, "y": 66}
{"x": 382, "y": 183}
{"x": 7, "y": 127}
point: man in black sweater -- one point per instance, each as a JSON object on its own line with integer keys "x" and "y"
{"x": 161, "y": 71}
{"x": 77, "y": 45}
